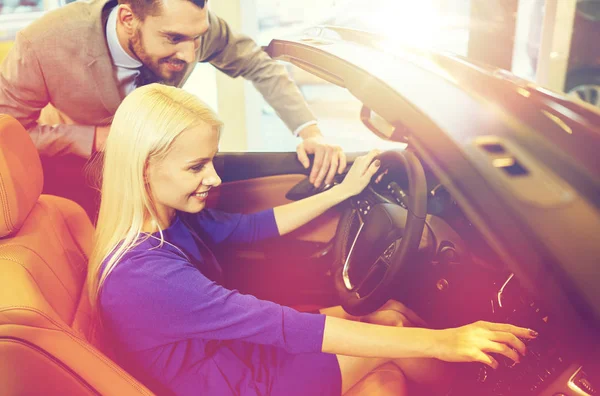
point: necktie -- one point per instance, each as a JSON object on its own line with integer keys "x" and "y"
{"x": 145, "y": 77}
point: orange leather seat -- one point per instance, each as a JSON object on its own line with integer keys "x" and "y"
{"x": 44, "y": 321}
{"x": 45, "y": 332}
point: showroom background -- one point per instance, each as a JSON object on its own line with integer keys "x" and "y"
{"x": 532, "y": 38}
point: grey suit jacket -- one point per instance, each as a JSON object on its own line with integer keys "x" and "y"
{"x": 59, "y": 81}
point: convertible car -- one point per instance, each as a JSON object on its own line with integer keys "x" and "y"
{"x": 490, "y": 212}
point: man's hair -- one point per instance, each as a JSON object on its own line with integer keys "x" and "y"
{"x": 143, "y": 8}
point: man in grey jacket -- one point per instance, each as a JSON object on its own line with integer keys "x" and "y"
{"x": 68, "y": 72}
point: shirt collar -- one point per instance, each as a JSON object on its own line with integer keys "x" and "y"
{"x": 118, "y": 54}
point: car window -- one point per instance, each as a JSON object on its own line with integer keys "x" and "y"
{"x": 337, "y": 110}
{"x": 17, "y": 14}
{"x": 431, "y": 24}
{"x": 20, "y": 6}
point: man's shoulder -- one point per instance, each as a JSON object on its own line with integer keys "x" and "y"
{"x": 68, "y": 24}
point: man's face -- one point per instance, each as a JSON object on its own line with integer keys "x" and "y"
{"x": 166, "y": 43}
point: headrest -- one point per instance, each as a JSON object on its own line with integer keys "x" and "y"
{"x": 21, "y": 176}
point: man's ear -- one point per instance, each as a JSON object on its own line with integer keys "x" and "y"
{"x": 127, "y": 19}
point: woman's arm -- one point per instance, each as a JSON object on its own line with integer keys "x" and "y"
{"x": 473, "y": 342}
{"x": 294, "y": 215}
{"x": 351, "y": 338}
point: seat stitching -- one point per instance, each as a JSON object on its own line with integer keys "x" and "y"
{"x": 45, "y": 208}
{"x": 80, "y": 250}
{"x": 6, "y": 209}
{"x": 69, "y": 332}
{"x": 52, "y": 359}
{"x": 71, "y": 265}
{"x": 35, "y": 310}
{"x": 4, "y": 195}
{"x": 29, "y": 272}
{"x": 85, "y": 259}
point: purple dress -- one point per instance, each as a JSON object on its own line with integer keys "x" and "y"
{"x": 178, "y": 331}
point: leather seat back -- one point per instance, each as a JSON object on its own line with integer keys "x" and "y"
{"x": 45, "y": 242}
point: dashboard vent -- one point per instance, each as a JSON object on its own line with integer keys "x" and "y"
{"x": 510, "y": 165}
{"x": 493, "y": 148}
{"x": 518, "y": 172}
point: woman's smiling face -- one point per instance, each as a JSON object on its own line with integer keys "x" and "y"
{"x": 181, "y": 180}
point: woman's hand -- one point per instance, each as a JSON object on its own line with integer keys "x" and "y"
{"x": 293, "y": 215}
{"x": 360, "y": 174}
{"x": 475, "y": 342}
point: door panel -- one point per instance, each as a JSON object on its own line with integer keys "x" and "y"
{"x": 243, "y": 166}
{"x": 293, "y": 269}
{"x": 253, "y": 195}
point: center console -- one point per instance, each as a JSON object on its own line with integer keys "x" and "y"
{"x": 550, "y": 367}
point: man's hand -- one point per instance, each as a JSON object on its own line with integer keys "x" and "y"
{"x": 328, "y": 161}
{"x": 100, "y": 137}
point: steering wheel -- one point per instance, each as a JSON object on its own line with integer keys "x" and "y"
{"x": 376, "y": 237}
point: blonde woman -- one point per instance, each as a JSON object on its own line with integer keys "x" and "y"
{"x": 156, "y": 284}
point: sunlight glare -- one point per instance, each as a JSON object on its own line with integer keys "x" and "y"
{"x": 406, "y": 23}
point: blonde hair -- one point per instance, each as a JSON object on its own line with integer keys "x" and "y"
{"x": 143, "y": 130}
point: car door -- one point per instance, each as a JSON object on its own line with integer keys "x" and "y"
{"x": 293, "y": 269}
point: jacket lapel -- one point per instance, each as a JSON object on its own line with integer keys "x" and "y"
{"x": 106, "y": 85}
{"x": 100, "y": 62}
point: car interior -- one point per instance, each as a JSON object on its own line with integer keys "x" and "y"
{"x": 47, "y": 343}
{"x": 452, "y": 250}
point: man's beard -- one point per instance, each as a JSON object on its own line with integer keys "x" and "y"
{"x": 152, "y": 70}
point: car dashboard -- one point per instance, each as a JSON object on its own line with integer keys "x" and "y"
{"x": 460, "y": 280}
